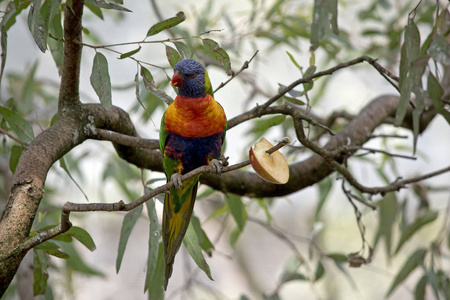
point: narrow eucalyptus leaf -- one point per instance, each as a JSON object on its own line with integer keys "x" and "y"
{"x": 166, "y": 24}
{"x": 40, "y": 272}
{"x": 151, "y": 86}
{"x": 16, "y": 152}
{"x": 410, "y": 230}
{"x": 127, "y": 226}
{"x": 191, "y": 243}
{"x": 130, "y": 53}
{"x": 237, "y": 209}
{"x": 82, "y": 236}
{"x": 107, "y": 5}
{"x": 172, "y": 55}
{"x": 153, "y": 244}
{"x": 219, "y": 54}
{"x": 411, "y": 263}
{"x": 21, "y": 127}
{"x": 100, "y": 80}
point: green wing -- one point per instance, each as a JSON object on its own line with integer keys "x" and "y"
{"x": 208, "y": 86}
{"x": 163, "y": 134}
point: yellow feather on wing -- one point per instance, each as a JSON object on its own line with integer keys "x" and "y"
{"x": 175, "y": 225}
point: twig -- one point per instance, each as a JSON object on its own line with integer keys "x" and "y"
{"x": 281, "y": 144}
{"x": 149, "y": 42}
{"x": 244, "y": 66}
{"x": 372, "y": 150}
{"x": 326, "y": 72}
{"x": 13, "y": 137}
{"x": 356, "y": 259}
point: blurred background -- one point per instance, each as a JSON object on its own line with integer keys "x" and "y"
{"x": 279, "y": 232}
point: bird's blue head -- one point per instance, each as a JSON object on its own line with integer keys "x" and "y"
{"x": 189, "y": 78}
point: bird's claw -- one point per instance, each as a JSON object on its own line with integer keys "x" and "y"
{"x": 176, "y": 179}
{"x": 216, "y": 165}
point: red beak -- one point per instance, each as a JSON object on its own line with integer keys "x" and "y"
{"x": 177, "y": 80}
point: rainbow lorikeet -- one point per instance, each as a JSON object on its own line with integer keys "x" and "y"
{"x": 191, "y": 135}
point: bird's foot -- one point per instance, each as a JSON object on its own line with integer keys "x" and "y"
{"x": 176, "y": 179}
{"x": 216, "y": 165}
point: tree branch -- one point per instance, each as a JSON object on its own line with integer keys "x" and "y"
{"x": 120, "y": 205}
{"x": 70, "y": 75}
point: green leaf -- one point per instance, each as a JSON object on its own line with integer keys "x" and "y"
{"x": 338, "y": 257}
{"x": 435, "y": 92}
{"x": 52, "y": 249}
{"x": 151, "y": 86}
{"x": 237, "y": 209}
{"x": 387, "y": 209}
{"x": 413, "y": 262}
{"x": 294, "y": 101}
{"x": 290, "y": 272}
{"x": 94, "y": 9}
{"x": 191, "y": 243}
{"x": 291, "y": 57}
{"x": 320, "y": 271}
{"x": 185, "y": 50}
{"x": 310, "y": 71}
{"x": 419, "y": 291}
{"x": 40, "y": 272}
{"x": 155, "y": 283}
{"x": 130, "y": 53}
{"x": 16, "y": 152}
{"x": 294, "y": 276}
{"x": 219, "y": 211}
{"x": 127, "y": 226}
{"x": 11, "y": 12}
{"x": 262, "y": 203}
{"x": 82, "y": 236}
{"x": 172, "y": 55}
{"x": 36, "y": 25}
{"x": 21, "y": 127}
{"x": 76, "y": 262}
{"x": 107, "y": 5}
{"x": 138, "y": 95}
{"x": 265, "y": 124}
{"x": 272, "y": 297}
{"x": 62, "y": 164}
{"x": 411, "y": 69}
{"x": 440, "y": 50}
{"x": 324, "y": 17}
{"x": 153, "y": 243}
{"x": 55, "y": 43}
{"x": 100, "y": 80}
{"x": 4, "y": 48}
{"x": 204, "y": 241}
{"x": 234, "y": 236}
{"x": 421, "y": 221}
{"x": 166, "y": 24}
{"x": 213, "y": 49}
{"x": 325, "y": 186}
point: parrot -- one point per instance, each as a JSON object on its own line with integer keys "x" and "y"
{"x": 191, "y": 135}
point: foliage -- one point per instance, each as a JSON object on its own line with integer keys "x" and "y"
{"x": 393, "y": 32}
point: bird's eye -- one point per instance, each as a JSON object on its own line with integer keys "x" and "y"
{"x": 192, "y": 75}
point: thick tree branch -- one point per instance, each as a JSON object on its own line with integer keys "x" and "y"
{"x": 70, "y": 75}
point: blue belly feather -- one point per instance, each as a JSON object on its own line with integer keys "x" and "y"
{"x": 194, "y": 152}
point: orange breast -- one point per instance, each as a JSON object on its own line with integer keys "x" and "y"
{"x": 195, "y": 117}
